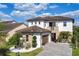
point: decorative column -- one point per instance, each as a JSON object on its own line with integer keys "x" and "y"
{"x": 21, "y": 42}
{"x": 49, "y": 38}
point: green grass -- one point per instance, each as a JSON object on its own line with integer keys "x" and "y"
{"x": 75, "y": 52}
{"x": 4, "y": 51}
{"x": 32, "y": 53}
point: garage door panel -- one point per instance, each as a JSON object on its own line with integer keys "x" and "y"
{"x": 44, "y": 39}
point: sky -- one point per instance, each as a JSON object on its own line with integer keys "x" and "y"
{"x": 23, "y": 11}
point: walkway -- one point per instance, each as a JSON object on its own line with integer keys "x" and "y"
{"x": 56, "y": 49}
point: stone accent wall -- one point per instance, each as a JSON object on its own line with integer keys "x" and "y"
{"x": 30, "y": 39}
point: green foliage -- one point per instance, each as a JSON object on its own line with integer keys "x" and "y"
{"x": 75, "y": 39}
{"x": 14, "y": 40}
{"x": 4, "y": 49}
{"x": 75, "y": 52}
{"x": 34, "y": 43}
{"x": 32, "y": 53}
{"x": 2, "y": 34}
{"x": 2, "y": 38}
{"x": 2, "y": 26}
{"x": 64, "y": 36}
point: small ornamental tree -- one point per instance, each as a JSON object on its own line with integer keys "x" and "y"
{"x": 15, "y": 39}
{"x": 34, "y": 43}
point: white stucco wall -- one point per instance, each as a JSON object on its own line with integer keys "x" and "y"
{"x": 59, "y": 24}
{"x": 38, "y": 40}
{"x": 37, "y": 24}
{"x": 69, "y": 26}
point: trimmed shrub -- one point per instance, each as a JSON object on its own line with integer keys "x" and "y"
{"x": 34, "y": 43}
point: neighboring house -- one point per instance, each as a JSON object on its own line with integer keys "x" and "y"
{"x": 46, "y": 28}
{"x": 11, "y": 28}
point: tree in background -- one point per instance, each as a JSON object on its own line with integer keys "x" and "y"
{"x": 2, "y": 34}
{"x": 2, "y": 26}
{"x": 75, "y": 39}
{"x": 2, "y": 38}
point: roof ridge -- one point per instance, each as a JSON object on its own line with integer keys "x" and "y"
{"x": 51, "y": 18}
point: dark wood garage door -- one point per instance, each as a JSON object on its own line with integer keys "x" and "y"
{"x": 44, "y": 39}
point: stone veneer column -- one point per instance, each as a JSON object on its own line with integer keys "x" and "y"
{"x": 30, "y": 37}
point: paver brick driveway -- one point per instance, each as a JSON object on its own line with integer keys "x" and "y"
{"x": 56, "y": 49}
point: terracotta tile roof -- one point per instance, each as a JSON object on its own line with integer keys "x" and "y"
{"x": 51, "y": 18}
{"x": 33, "y": 29}
{"x": 10, "y": 26}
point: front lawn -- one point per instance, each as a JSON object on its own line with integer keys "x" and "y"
{"x": 32, "y": 53}
{"x": 75, "y": 52}
{"x": 4, "y": 51}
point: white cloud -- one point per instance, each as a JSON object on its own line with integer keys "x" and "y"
{"x": 53, "y": 6}
{"x": 70, "y": 14}
{"x": 4, "y": 16}
{"x": 27, "y": 9}
{"x": 23, "y": 13}
{"x": 30, "y": 6}
{"x": 3, "y": 6}
{"x": 45, "y": 14}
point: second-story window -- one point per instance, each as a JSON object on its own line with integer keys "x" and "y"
{"x": 44, "y": 23}
{"x": 50, "y": 24}
{"x": 64, "y": 23}
{"x": 35, "y": 22}
{"x": 32, "y": 22}
{"x": 39, "y": 22}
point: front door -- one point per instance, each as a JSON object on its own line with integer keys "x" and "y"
{"x": 53, "y": 37}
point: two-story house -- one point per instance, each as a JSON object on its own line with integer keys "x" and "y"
{"x": 46, "y": 28}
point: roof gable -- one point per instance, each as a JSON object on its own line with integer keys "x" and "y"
{"x": 33, "y": 29}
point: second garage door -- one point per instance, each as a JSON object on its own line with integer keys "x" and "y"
{"x": 44, "y": 39}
